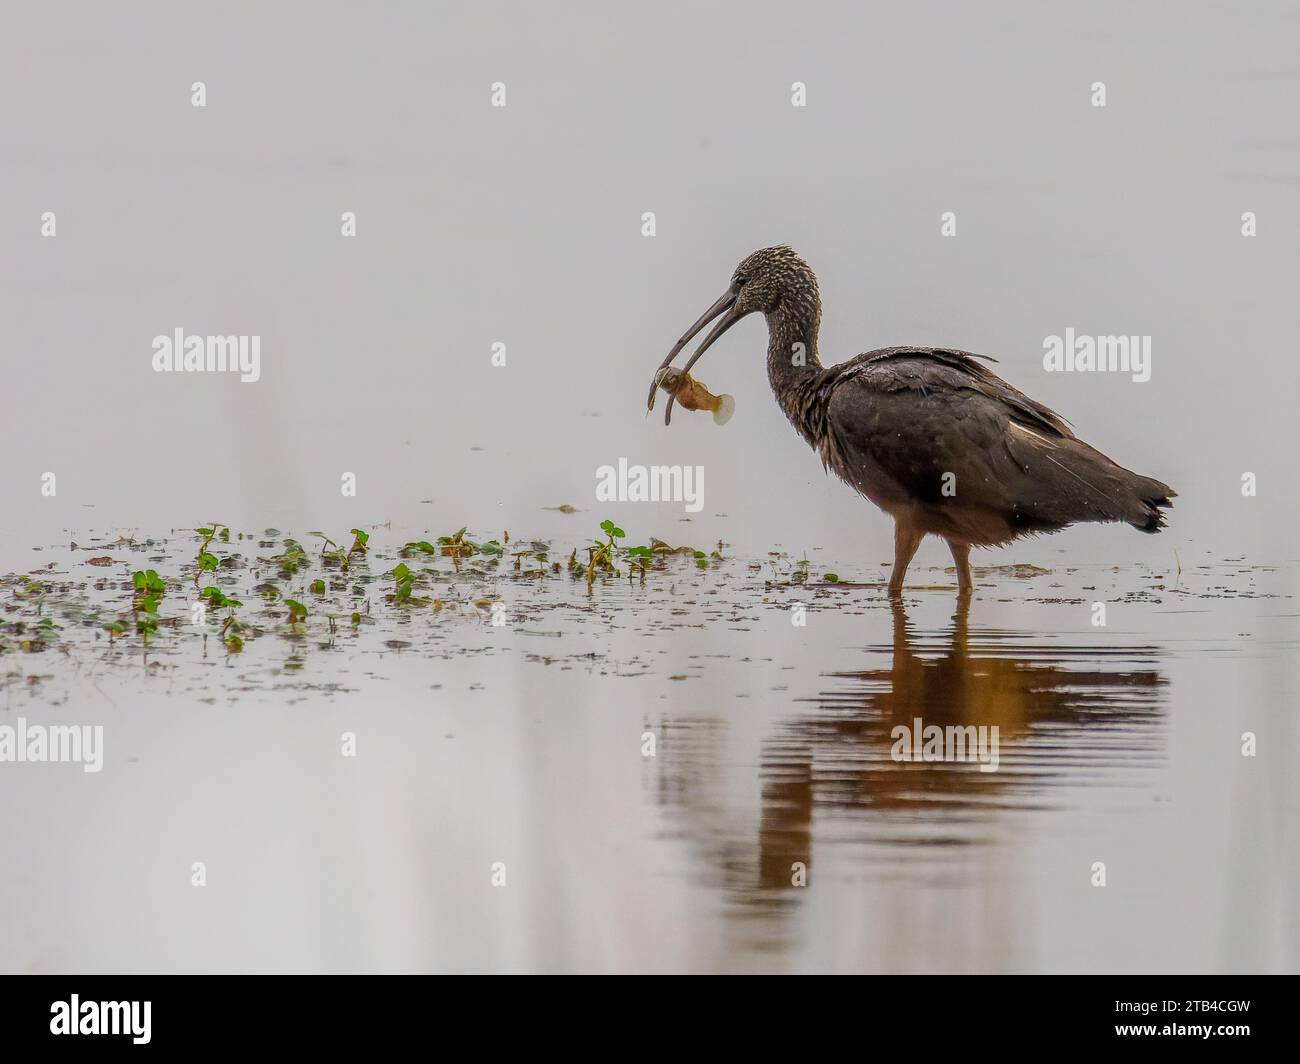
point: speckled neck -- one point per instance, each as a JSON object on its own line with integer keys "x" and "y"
{"x": 792, "y": 323}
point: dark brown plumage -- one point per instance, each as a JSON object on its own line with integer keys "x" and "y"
{"x": 930, "y": 435}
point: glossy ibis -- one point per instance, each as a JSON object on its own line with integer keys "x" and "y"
{"x": 930, "y": 435}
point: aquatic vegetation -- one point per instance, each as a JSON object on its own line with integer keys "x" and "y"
{"x": 404, "y": 579}
{"x": 403, "y": 585}
{"x": 335, "y": 556}
{"x": 218, "y": 599}
{"x": 640, "y": 558}
{"x": 604, "y": 556}
{"x": 230, "y": 626}
{"x": 146, "y": 624}
{"x": 30, "y": 589}
{"x": 454, "y": 545}
{"x": 148, "y": 582}
{"x": 30, "y": 638}
{"x": 207, "y": 561}
{"x": 600, "y": 556}
{"x": 212, "y": 596}
{"x": 148, "y": 590}
{"x": 293, "y": 558}
{"x": 422, "y": 546}
{"x": 538, "y": 551}
{"x": 331, "y": 553}
{"x": 322, "y": 590}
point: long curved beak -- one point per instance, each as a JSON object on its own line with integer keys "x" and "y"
{"x": 724, "y": 306}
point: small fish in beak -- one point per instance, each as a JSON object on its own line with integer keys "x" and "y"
{"x": 724, "y": 310}
{"x": 693, "y": 395}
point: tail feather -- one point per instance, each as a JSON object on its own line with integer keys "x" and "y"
{"x": 1067, "y": 481}
{"x": 1156, "y": 498}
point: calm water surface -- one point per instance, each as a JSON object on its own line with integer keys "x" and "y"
{"x": 523, "y": 743}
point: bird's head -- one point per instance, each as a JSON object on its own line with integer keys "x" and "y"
{"x": 767, "y": 276}
{"x": 761, "y": 283}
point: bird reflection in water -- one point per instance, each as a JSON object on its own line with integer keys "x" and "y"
{"x": 1069, "y": 715}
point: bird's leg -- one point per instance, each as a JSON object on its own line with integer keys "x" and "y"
{"x": 961, "y": 556}
{"x": 906, "y": 540}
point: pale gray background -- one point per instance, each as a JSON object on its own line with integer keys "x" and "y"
{"x": 523, "y": 225}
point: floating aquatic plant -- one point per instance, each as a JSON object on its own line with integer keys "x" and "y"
{"x": 331, "y": 553}
{"x": 454, "y": 545}
{"x": 292, "y": 558}
{"x": 207, "y": 561}
{"x": 217, "y": 599}
{"x": 404, "y": 580}
{"x": 337, "y": 599}
{"x": 148, "y": 590}
{"x": 422, "y": 546}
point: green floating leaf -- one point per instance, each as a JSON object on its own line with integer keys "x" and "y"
{"x": 217, "y": 598}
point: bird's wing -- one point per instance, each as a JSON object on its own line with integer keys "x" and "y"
{"x": 910, "y": 422}
{"x": 944, "y": 368}
{"x": 933, "y": 425}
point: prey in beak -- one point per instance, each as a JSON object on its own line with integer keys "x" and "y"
{"x": 726, "y": 307}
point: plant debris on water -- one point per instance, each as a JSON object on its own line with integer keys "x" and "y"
{"x": 337, "y": 581}
{"x": 218, "y": 594}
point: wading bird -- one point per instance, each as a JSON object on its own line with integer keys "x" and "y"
{"x": 935, "y": 439}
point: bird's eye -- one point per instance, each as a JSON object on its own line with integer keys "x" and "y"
{"x": 738, "y": 280}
